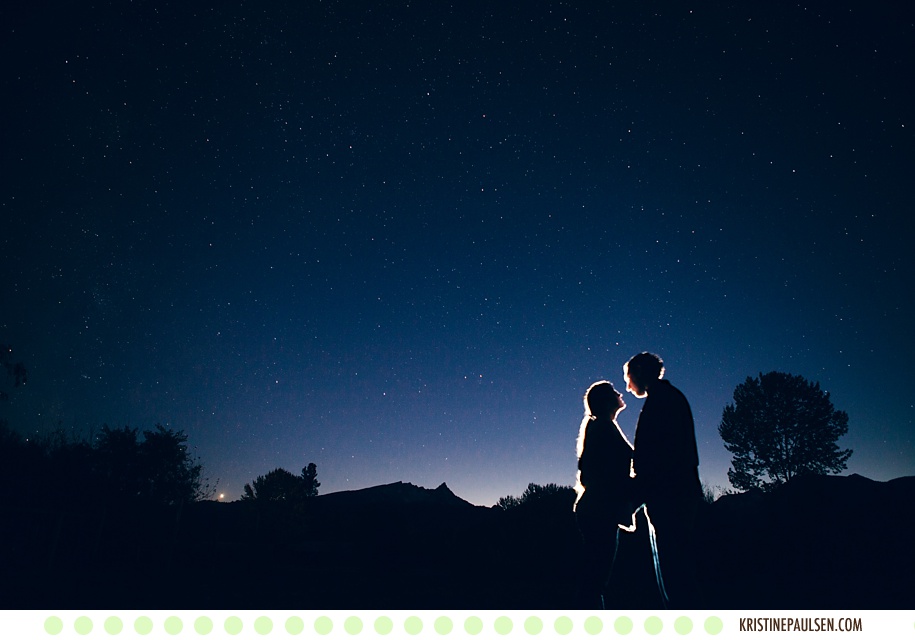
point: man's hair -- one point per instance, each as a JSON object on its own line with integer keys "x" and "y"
{"x": 644, "y": 368}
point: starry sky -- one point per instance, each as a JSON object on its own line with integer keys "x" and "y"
{"x": 400, "y": 239}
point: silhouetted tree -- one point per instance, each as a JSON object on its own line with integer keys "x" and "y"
{"x": 538, "y": 492}
{"x": 168, "y": 470}
{"x": 508, "y": 502}
{"x": 157, "y": 468}
{"x": 15, "y": 370}
{"x": 310, "y": 482}
{"x": 533, "y": 493}
{"x": 780, "y": 426}
{"x": 118, "y": 466}
{"x": 117, "y": 462}
{"x": 280, "y": 484}
{"x": 14, "y": 461}
{"x": 711, "y": 493}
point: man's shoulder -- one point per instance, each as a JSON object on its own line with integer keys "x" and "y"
{"x": 663, "y": 389}
{"x": 665, "y": 394}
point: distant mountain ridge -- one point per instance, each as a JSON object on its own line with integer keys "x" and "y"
{"x": 395, "y": 493}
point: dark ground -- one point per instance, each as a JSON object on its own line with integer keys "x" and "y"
{"x": 815, "y": 543}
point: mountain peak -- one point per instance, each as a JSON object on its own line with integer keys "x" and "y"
{"x": 398, "y": 493}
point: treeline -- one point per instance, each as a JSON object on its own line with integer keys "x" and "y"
{"x": 118, "y": 465}
{"x": 535, "y": 493}
{"x": 283, "y": 485}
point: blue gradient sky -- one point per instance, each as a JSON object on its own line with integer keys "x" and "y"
{"x": 400, "y": 240}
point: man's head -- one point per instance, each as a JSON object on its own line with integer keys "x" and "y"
{"x": 641, "y": 372}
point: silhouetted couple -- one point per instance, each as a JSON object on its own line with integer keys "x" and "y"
{"x": 660, "y": 474}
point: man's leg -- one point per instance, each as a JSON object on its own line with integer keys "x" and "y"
{"x": 674, "y": 527}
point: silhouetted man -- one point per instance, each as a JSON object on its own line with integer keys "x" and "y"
{"x": 666, "y": 465}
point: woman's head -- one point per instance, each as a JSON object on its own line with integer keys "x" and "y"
{"x": 603, "y": 401}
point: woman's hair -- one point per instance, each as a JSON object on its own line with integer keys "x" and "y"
{"x": 600, "y": 402}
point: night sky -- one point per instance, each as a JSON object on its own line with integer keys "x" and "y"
{"x": 400, "y": 239}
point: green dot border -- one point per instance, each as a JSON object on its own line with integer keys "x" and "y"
{"x": 416, "y": 624}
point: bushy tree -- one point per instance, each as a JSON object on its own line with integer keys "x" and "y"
{"x": 711, "y": 493}
{"x": 533, "y": 493}
{"x": 171, "y": 475}
{"x": 508, "y": 502}
{"x": 310, "y": 482}
{"x": 157, "y": 468}
{"x": 780, "y": 426}
{"x": 117, "y": 466}
{"x": 117, "y": 461}
{"x": 15, "y": 370}
{"x": 281, "y": 484}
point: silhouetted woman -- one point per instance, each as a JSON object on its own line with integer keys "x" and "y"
{"x": 604, "y": 461}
